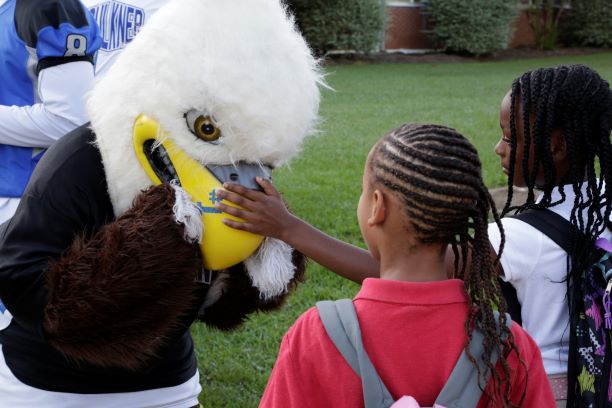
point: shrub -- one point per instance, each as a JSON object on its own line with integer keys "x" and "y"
{"x": 475, "y": 27}
{"x": 328, "y": 25}
{"x": 588, "y": 23}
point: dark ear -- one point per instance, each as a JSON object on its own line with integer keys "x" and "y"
{"x": 558, "y": 146}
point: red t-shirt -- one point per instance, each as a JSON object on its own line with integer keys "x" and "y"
{"x": 413, "y": 333}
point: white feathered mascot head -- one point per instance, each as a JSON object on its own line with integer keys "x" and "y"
{"x": 241, "y": 62}
{"x": 208, "y": 90}
{"x": 226, "y": 83}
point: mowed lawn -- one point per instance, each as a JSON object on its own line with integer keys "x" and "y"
{"x": 323, "y": 185}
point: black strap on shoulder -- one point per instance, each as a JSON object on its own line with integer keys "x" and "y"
{"x": 513, "y": 306}
{"x": 554, "y": 226}
{"x": 558, "y": 229}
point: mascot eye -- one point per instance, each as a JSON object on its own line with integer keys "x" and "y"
{"x": 205, "y": 129}
{"x": 203, "y": 126}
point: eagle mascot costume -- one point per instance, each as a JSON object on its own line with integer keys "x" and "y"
{"x": 116, "y": 247}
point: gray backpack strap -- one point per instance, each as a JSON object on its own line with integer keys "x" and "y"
{"x": 462, "y": 388}
{"x": 341, "y": 324}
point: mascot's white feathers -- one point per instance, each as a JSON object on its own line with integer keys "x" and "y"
{"x": 241, "y": 61}
{"x": 271, "y": 269}
{"x": 186, "y": 213}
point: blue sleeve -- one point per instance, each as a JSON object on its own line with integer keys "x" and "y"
{"x": 60, "y": 31}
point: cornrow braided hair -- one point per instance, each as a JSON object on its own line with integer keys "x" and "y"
{"x": 578, "y": 101}
{"x": 436, "y": 172}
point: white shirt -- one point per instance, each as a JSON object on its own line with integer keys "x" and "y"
{"x": 8, "y": 206}
{"x": 15, "y": 394}
{"x": 537, "y": 268}
{"x": 61, "y": 90}
{"x": 62, "y": 105}
{"x": 119, "y": 22}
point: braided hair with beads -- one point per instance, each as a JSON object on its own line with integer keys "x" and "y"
{"x": 577, "y": 101}
{"x": 436, "y": 173}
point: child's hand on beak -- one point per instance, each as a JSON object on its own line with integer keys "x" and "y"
{"x": 264, "y": 213}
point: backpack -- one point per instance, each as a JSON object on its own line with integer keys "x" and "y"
{"x": 590, "y": 347}
{"x": 462, "y": 390}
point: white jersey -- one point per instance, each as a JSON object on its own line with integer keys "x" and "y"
{"x": 120, "y": 22}
{"x": 46, "y": 55}
{"x": 537, "y": 267}
{"x": 7, "y": 209}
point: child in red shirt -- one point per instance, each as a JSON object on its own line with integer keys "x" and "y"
{"x": 422, "y": 191}
{"x": 556, "y": 126}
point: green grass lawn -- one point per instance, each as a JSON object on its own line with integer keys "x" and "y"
{"x": 323, "y": 186}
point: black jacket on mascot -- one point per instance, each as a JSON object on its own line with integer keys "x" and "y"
{"x": 116, "y": 247}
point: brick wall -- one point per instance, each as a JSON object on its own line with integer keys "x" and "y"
{"x": 523, "y": 34}
{"x": 405, "y": 27}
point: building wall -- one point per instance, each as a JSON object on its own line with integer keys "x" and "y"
{"x": 406, "y": 25}
{"x": 523, "y": 34}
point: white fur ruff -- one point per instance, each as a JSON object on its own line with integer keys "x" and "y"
{"x": 270, "y": 268}
{"x": 242, "y": 61}
{"x": 187, "y": 213}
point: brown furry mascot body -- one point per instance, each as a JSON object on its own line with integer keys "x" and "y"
{"x": 143, "y": 269}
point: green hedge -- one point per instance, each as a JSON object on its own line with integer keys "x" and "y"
{"x": 589, "y": 22}
{"x": 327, "y": 25}
{"x": 474, "y": 27}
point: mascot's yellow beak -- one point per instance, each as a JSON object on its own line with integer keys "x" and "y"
{"x": 163, "y": 162}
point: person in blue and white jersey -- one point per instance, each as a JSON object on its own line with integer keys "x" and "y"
{"x": 119, "y": 23}
{"x": 46, "y": 68}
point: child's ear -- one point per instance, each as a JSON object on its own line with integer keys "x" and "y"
{"x": 379, "y": 208}
{"x": 558, "y": 145}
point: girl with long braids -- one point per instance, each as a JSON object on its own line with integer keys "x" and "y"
{"x": 556, "y": 125}
{"x": 422, "y": 192}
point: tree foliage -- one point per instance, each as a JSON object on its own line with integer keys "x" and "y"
{"x": 589, "y": 22}
{"x": 475, "y": 27}
{"x": 355, "y": 25}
